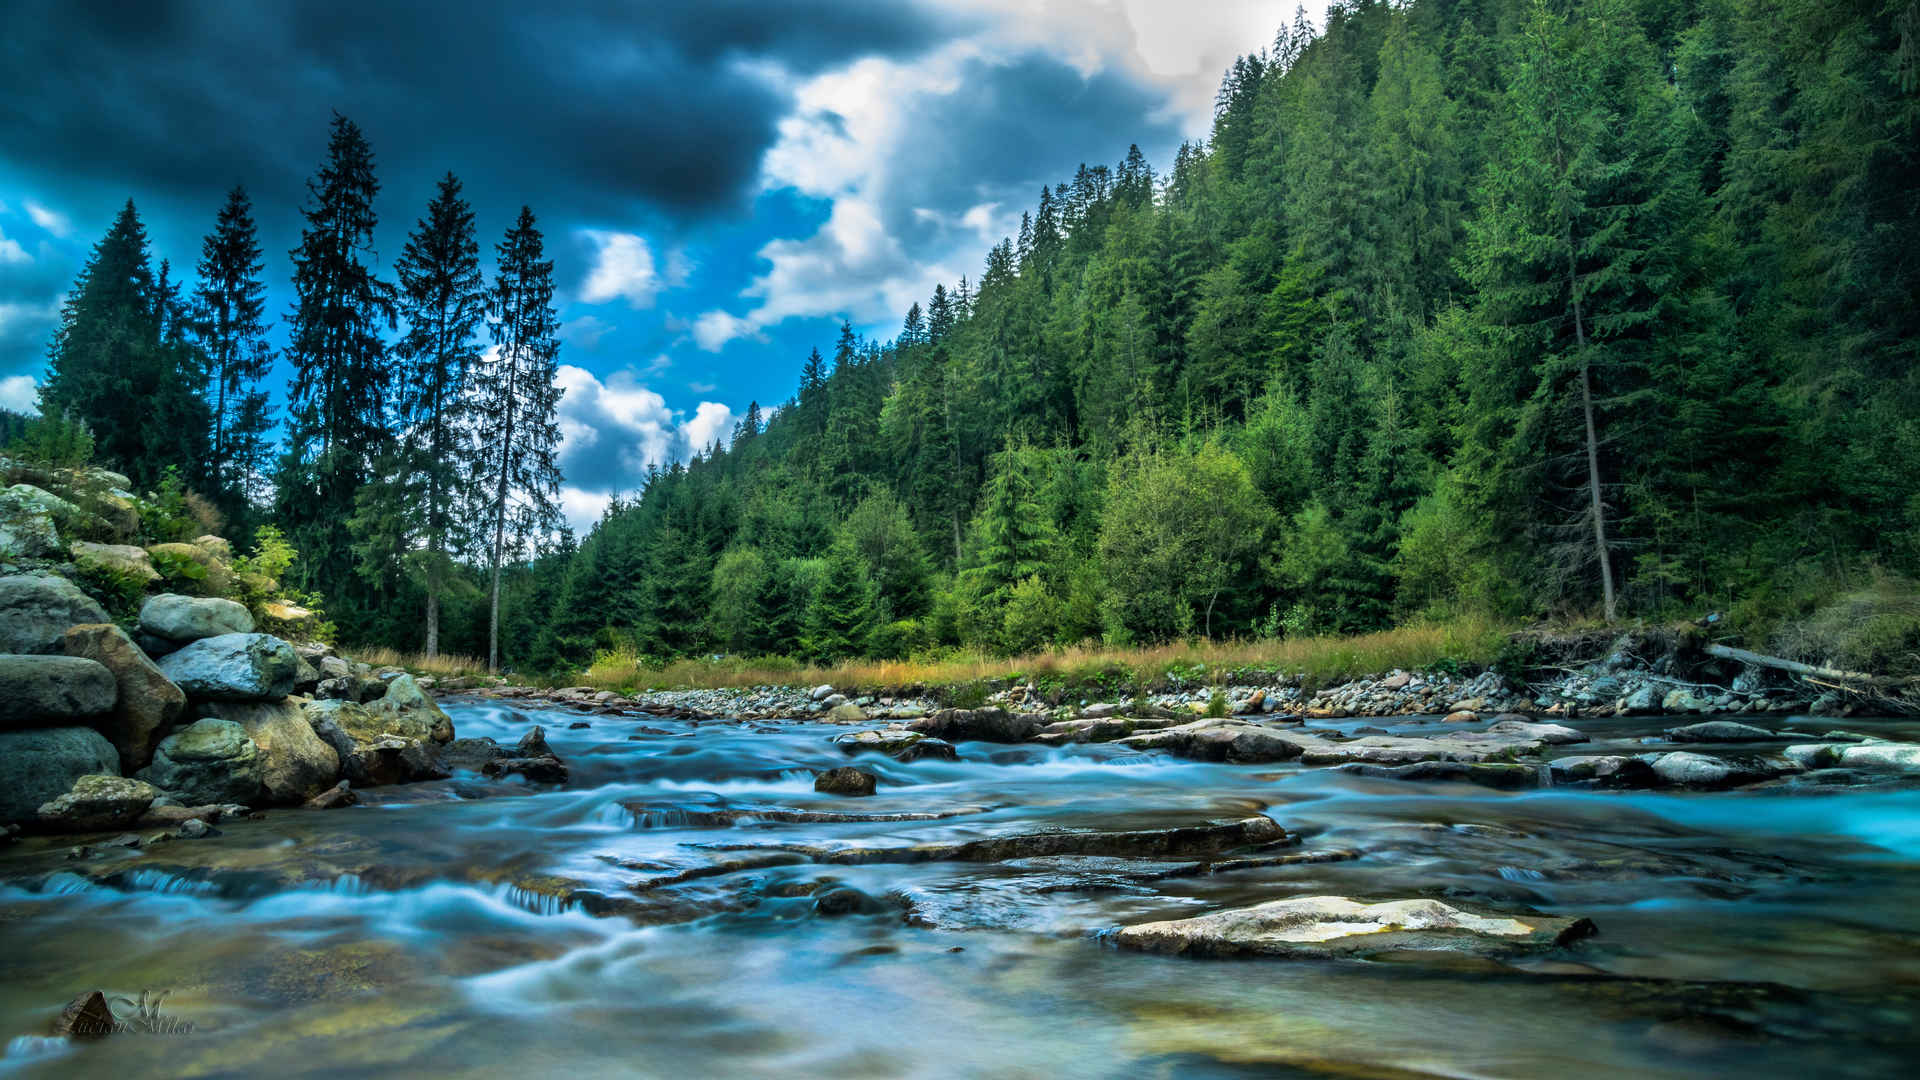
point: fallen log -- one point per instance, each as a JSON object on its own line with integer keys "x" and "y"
{"x": 1809, "y": 671}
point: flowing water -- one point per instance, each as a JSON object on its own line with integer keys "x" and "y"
{"x": 688, "y": 906}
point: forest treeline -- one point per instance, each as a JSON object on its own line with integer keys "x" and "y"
{"x": 1598, "y": 309}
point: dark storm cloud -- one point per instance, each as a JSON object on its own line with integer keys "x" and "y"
{"x": 596, "y": 104}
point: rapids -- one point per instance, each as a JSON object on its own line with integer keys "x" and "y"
{"x": 688, "y": 906}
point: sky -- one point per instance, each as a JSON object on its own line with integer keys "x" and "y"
{"x": 720, "y": 182}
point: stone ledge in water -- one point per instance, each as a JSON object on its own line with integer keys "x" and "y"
{"x": 1330, "y": 927}
{"x": 1103, "y": 728}
{"x": 1719, "y": 731}
{"x": 983, "y": 725}
{"x": 898, "y": 743}
{"x": 1242, "y": 741}
{"x": 1897, "y": 757}
{"x": 1503, "y": 775}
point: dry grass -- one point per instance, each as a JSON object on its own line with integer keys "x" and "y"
{"x": 1469, "y": 642}
{"x": 443, "y": 665}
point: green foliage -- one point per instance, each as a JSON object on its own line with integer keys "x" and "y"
{"x": 119, "y": 590}
{"x": 1217, "y": 703}
{"x": 840, "y": 617}
{"x": 181, "y": 571}
{"x": 57, "y": 439}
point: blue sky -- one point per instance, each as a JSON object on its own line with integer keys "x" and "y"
{"x": 720, "y": 181}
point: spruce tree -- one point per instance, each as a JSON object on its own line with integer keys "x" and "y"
{"x": 228, "y": 309}
{"x": 515, "y": 400}
{"x": 840, "y": 618}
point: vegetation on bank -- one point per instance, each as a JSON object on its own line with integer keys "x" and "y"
{"x": 1538, "y": 309}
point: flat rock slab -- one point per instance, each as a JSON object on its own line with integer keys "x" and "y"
{"x": 1334, "y": 927}
{"x": 1720, "y": 731}
{"x": 1243, "y": 741}
{"x": 1494, "y": 774}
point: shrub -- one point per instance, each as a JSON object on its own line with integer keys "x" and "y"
{"x": 1874, "y": 628}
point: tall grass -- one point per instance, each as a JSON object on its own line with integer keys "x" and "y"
{"x": 444, "y": 664}
{"x": 1466, "y": 642}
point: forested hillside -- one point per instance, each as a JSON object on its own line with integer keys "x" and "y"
{"x": 1592, "y": 309}
{"x": 1585, "y": 310}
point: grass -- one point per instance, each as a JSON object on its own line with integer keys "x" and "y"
{"x": 1113, "y": 671}
{"x": 445, "y": 665}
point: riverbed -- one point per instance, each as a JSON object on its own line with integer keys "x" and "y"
{"x": 688, "y": 906}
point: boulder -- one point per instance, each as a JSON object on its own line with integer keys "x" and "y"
{"x": 1494, "y": 774}
{"x": 333, "y": 667}
{"x": 1551, "y": 734}
{"x": 306, "y": 678}
{"x": 41, "y": 765}
{"x": 1644, "y": 700}
{"x": 845, "y": 781}
{"x": 1720, "y": 731}
{"x": 36, "y": 609}
{"x": 983, "y": 725}
{"x": 927, "y": 749}
{"x": 147, "y": 702}
{"x": 48, "y": 691}
{"x": 234, "y": 667}
{"x": 86, "y": 1018}
{"x": 97, "y": 802}
{"x": 28, "y": 529}
{"x": 846, "y": 713}
{"x": 1691, "y": 770}
{"x": 189, "y": 618}
{"x": 471, "y": 755}
{"x": 1684, "y": 701}
{"x": 1461, "y": 716}
{"x": 335, "y": 797}
{"x": 1323, "y": 927}
{"x": 369, "y": 752}
{"x": 1222, "y": 740}
{"x": 288, "y": 618}
{"x": 821, "y": 692}
{"x": 295, "y": 764}
{"x": 1606, "y": 770}
{"x": 1904, "y": 757}
{"x": 210, "y": 761}
{"x": 409, "y": 712}
{"x": 130, "y": 562}
{"x": 532, "y": 758}
{"x": 893, "y": 741}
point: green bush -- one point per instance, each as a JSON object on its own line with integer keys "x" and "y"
{"x": 58, "y": 440}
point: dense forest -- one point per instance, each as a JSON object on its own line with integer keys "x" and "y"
{"x": 1582, "y": 310}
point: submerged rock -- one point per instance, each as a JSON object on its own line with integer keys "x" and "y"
{"x": 1719, "y": 731}
{"x": 983, "y": 725}
{"x": 1551, "y": 734}
{"x": 1607, "y": 770}
{"x": 1223, "y": 740}
{"x": 147, "y": 702}
{"x": 36, "y": 609}
{"x": 43, "y": 764}
{"x": 1102, "y": 728}
{"x": 47, "y": 691}
{"x": 234, "y": 667}
{"x": 1504, "y": 775}
{"x": 892, "y": 741}
{"x": 1323, "y": 927}
{"x": 335, "y": 797}
{"x": 531, "y": 758}
{"x": 1692, "y": 770}
{"x": 845, "y": 780}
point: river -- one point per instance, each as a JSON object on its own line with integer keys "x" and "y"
{"x": 449, "y": 927}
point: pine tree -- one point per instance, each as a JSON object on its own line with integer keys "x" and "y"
{"x": 443, "y": 301}
{"x": 515, "y": 400}
{"x": 228, "y": 306}
{"x": 840, "y": 618}
{"x": 339, "y": 411}
{"x": 119, "y": 363}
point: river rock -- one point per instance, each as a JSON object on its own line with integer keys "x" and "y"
{"x": 472, "y": 755}
{"x": 233, "y": 667}
{"x": 27, "y": 527}
{"x": 891, "y": 741}
{"x": 1222, "y": 740}
{"x": 1551, "y": 734}
{"x": 147, "y": 703}
{"x": 407, "y": 711}
{"x": 532, "y": 758}
{"x": 1719, "y": 731}
{"x": 1316, "y": 927}
{"x": 1086, "y": 729}
{"x": 1645, "y": 699}
{"x": 335, "y": 797}
{"x": 821, "y": 692}
{"x": 129, "y": 562}
{"x": 47, "y": 691}
{"x": 846, "y": 713}
{"x": 1604, "y": 770}
{"x": 210, "y": 761}
{"x": 1890, "y": 756}
{"x": 295, "y": 764}
{"x": 36, "y": 609}
{"x": 98, "y": 802}
{"x": 982, "y": 725}
{"x": 370, "y": 752}
{"x": 1692, "y": 770}
{"x": 845, "y": 781}
{"x": 41, "y": 765}
{"x": 86, "y": 1018}
{"x": 190, "y": 618}
{"x": 1503, "y": 775}
{"x": 1683, "y": 700}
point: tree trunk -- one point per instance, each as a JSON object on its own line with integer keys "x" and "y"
{"x": 433, "y": 623}
{"x": 1595, "y": 507}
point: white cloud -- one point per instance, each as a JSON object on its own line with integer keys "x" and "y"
{"x": 611, "y": 429}
{"x": 716, "y": 328}
{"x": 711, "y": 420}
{"x": 623, "y": 267}
{"x": 50, "y": 220}
{"x": 11, "y": 252}
{"x": 18, "y": 392}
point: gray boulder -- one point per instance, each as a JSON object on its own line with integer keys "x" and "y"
{"x": 408, "y": 711}
{"x": 36, "y": 609}
{"x": 295, "y": 764}
{"x": 1551, "y": 734}
{"x": 1320, "y": 927}
{"x": 985, "y": 725}
{"x": 97, "y": 802}
{"x": 27, "y": 527}
{"x": 1719, "y": 731}
{"x": 845, "y": 781}
{"x": 190, "y": 618}
{"x": 41, "y": 765}
{"x": 369, "y": 753}
{"x": 211, "y": 761}
{"x": 1691, "y": 770}
{"x": 48, "y": 691}
{"x": 234, "y": 667}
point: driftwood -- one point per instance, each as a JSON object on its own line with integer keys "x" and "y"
{"x": 1811, "y": 672}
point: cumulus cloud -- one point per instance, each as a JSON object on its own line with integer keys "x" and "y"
{"x": 52, "y": 221}
{"x": 710, "y": 421}
{"x": 623, "y": 267}
{"x": 611, "y": 429}
{"x": 11, "y": 251}
{"x": 18, "y": 393}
